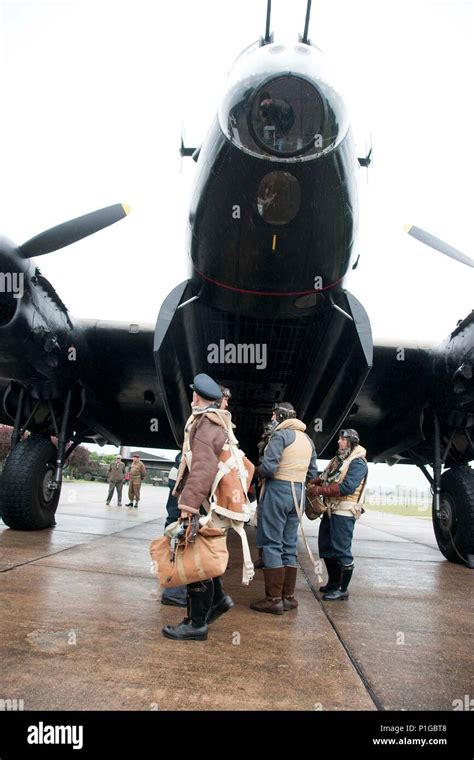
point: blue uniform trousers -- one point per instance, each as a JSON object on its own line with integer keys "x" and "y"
{"x": 335, "y": 538}
{"x": 277, "y": 526}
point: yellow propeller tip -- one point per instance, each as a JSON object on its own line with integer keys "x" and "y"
{"x": 407, "y": 227}
{"x": 127, "y": 208}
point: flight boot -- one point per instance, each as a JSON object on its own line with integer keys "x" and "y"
{"x": 288, "y": 593}
{"x": 341, "y": 592}
{"x": 220, "y": 602}
{"x": 274, "y": 580}
{"x": 194, "y": 626}
{"x": 334, "y": 572}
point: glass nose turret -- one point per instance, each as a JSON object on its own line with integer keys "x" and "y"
{"x": 280, "y": 104}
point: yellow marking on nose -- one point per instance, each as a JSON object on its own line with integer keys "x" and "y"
{"x": 274, "y": 242}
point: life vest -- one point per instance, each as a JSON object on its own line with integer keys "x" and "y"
{"x": 296, "y": 457}
{"x": 352, "y": 504}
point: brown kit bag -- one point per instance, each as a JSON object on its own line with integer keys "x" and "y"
{"x": 204, "y": 558}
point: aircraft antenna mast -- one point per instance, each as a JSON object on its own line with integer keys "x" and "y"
{"x": 267, "y": 25}
{"x": 306, "y": 23}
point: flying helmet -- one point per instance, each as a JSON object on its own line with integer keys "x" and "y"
{"x": 351, "y": 435}
{"x": 283, "y": 411}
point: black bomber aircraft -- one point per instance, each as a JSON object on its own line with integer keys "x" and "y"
{"x": 271, "y": 235}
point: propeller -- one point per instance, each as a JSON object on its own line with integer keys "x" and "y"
{"x": 73, "y": 230}
{"x": 438, "y": 245}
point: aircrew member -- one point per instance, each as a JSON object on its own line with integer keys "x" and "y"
{"x": 287, "y": 461}
{"x": 341, "y": 484}
{"x": 206, "y": 438}
{"x": 177, "y": 596}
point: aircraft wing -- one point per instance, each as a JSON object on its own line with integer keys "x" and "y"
{"x": 389, "y": 407}
{"x": 121, "y": 399}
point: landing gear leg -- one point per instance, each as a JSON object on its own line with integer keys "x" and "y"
{"x": 32, "y": 475}
{"x": 453, "y": 507}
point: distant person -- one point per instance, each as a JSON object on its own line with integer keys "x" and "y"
{"x": 115, "y": 476}
{"x": 137, "y": 473}
{"x": 341, "y": 485}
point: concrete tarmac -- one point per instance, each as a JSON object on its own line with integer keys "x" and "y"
{"x": 81, "y": 622}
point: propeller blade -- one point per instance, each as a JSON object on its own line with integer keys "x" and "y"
{"x": 72, "y": 231}
{"x": 438, "y": 245}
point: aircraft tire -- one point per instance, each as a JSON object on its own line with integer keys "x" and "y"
{"x": 454, "y": 529}
{"x": 25, "y": 501}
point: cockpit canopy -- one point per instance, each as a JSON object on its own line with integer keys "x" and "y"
{"x": 279, "y": 104}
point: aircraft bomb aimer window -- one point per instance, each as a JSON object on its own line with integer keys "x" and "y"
{"x": 278, "y": 198}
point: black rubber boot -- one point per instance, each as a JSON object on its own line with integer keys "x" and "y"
{"x": 334, "y": 572}
{"x": 220, "y": 603}
{"x": 194, "y": 626}
{"x": 341, "y": 592}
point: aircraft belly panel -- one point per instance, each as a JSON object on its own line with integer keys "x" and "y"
{"x": 318, "y": 361}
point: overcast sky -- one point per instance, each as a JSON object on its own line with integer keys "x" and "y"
{"x": 94, "y": 95}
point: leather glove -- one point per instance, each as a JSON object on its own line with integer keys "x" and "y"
{"x": 315, "y": 481}
{"x": 187, "y": 511}
{"x": 331, "y": 490}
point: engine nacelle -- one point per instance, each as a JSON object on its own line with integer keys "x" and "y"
{"x": 35, "y": 328}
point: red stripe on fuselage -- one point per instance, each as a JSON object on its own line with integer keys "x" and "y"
{"x": 266, "y": 292}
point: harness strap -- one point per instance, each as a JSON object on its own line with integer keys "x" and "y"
{"x": 222, "y": 469}
{"x": 300, "y": 512}
{"x": 248, "y": 570}
{"x": 239, "y": 460}
{"x": 335, "y": 506}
